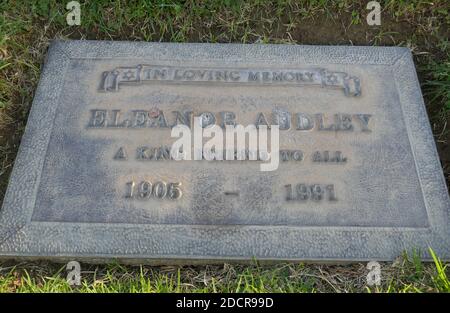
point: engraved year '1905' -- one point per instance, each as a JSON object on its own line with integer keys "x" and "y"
{"x": 160, "y": 190}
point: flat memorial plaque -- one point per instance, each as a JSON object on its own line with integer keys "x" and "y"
{"x": 358, "y": 176}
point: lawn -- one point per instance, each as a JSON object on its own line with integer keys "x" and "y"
{"x": 406, "y": 274}
{"x": 26, "y": 28}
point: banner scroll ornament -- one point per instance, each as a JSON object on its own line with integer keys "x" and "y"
{"x": 111, "y": 80}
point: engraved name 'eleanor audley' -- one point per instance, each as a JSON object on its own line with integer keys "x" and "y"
{"x": 100, "y": 118}
{"x": 155, "y": 151}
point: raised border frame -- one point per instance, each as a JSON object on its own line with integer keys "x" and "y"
{"x": 20, "y": 237}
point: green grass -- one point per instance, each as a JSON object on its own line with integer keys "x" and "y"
{"x": 26, "y": 27}
{"x": 407, "y": 274}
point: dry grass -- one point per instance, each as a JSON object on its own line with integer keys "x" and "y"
{"x": 407, "y": 274}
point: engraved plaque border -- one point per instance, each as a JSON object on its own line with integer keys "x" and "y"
{"x": 19, "y": 237}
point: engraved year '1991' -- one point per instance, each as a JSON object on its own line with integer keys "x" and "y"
{"x": 159, "y": 190}
{"x": 303, "y": 192}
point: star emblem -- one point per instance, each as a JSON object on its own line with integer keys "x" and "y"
{"x": 128, "y": 75}
{"x": 332, "y": 79}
